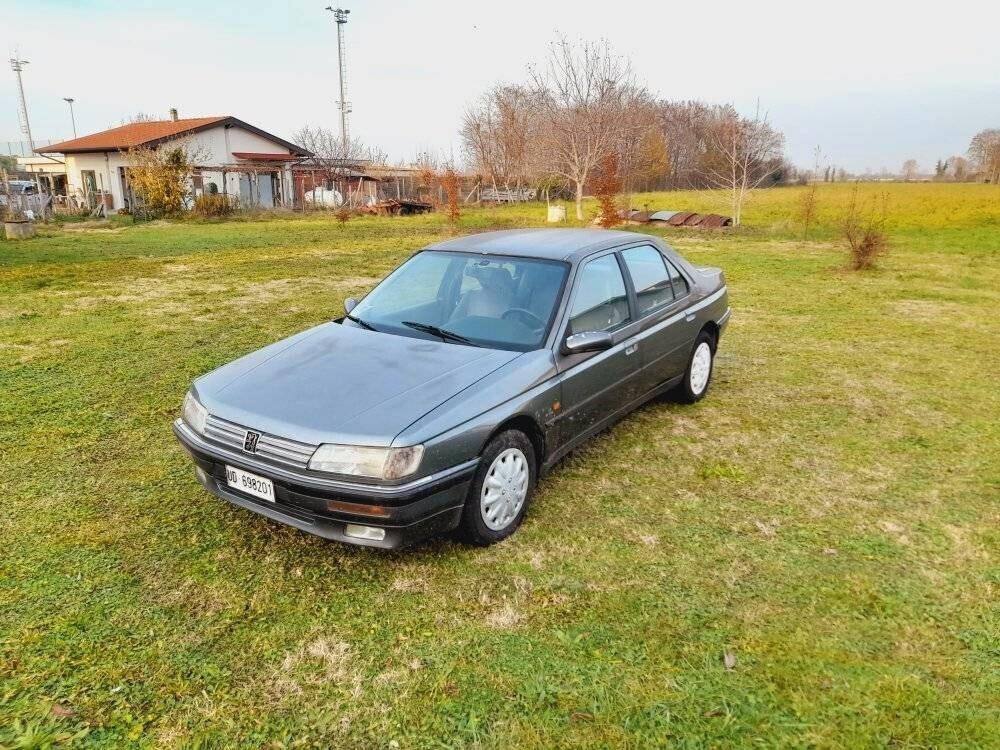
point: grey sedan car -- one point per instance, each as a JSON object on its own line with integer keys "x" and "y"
{"x": 438, "y": 401}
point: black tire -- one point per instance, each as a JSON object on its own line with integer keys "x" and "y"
{"x": 473, "y": 528}
{"x": 685, "y": 392}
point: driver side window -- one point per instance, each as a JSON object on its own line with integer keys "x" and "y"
{"x": 600, "y": 303}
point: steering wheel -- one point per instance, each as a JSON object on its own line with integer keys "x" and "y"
{"x": 533, "y": 321}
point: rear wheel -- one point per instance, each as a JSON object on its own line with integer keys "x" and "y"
{"x": 698, "y": 373}
{"x": 501, "y": 488}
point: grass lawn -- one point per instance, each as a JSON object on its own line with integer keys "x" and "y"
{"x": 828, "y": 516}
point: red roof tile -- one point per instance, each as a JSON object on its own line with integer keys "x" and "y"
{"x": 152, "y": 132}
{"x": 131, "y": 135}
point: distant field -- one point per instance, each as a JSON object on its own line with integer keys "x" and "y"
{"x": 829, "y": 515}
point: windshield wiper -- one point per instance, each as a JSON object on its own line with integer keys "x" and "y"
{"x": 442, "y": 333}
{"x": 361, "y": 323}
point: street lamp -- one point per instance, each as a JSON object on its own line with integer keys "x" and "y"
{"x": 69, "y": 100}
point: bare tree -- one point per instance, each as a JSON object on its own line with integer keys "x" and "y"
{"x": 745, "y": 153}
{"x": 686, "y": 127}
{"x": 335, "y": 160}
{"x": 497, "y": 135}
{"x": 910, "y": 170}
{"x": 641, "y": 148}
{"x": 959, "y": 168}
{"x": 583, "y": 94}
{"x": 984, "y": 151}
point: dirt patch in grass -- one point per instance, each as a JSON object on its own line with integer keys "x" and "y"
{"x": 320, "y": 660}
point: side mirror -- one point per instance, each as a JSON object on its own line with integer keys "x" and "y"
{"x": 349, "y": 304}
{"x": 589, "y": 341}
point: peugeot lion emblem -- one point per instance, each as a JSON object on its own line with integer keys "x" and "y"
{"x": 250, "y": 441}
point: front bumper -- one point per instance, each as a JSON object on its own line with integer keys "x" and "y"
{"x": 407, "y": 512}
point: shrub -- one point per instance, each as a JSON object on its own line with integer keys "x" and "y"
{"x": 343, "y": 213}
{"x": 213, "y": 205}
{"x": 807, "y": 210}
{"x": 864, "y": 231}
{"x": 159, "y": 177}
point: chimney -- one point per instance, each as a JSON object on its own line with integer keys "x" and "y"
{"x": 173, "y": 114}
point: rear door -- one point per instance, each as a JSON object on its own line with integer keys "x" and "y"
{"x": 665, "y": 331}
{"x": 597, "y": 385}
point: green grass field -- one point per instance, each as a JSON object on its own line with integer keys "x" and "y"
{"x": 828, "y": 516}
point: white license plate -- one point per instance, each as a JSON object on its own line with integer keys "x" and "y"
{"x": 252, "y": 484}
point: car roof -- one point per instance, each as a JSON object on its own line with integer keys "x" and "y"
{"x": 548, "y": 244}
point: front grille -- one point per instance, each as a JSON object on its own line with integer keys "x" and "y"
{"x": 282, "y": 451}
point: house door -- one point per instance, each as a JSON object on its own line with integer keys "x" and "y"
{"x": 246, "y": 191}
{"x": 265, "y": 191}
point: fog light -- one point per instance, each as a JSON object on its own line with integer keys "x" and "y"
{"x": 365, "y": 532}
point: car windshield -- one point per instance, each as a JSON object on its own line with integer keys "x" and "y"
{"x": 493, "y": 301}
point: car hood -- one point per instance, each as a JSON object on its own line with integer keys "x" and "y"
{"x": 337, "y": 383}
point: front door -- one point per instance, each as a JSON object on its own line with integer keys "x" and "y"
{"x": 596, "y": 386}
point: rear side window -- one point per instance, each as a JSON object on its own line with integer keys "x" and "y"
{"x": 650, "y": 277}
{"x": 600, "y": 303}
{"x": 677, "y": 280}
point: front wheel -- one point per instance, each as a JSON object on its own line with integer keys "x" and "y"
{"x": 501, "y": 488}
{"x": 698, "y": 373}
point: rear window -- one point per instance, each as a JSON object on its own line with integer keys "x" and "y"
{"x": 650, "y": 277}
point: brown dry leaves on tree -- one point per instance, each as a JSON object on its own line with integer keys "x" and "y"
{"x": 607, "y": 185}
{"x": 449, "y": 181}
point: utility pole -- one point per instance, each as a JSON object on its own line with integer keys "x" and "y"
{"x": 340, "y": 16}
{"x": 17, "y": 65}
{"x": 69, "y": 100}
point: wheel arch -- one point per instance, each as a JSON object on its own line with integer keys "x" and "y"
{"x": 713, "y": 330}
{"x": 530, "y": 427}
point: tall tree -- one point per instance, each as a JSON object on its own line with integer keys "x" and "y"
{"x": 959, "y": 168}
{"x": 745, "y": 152}
{"x": 984, "y": 151}
{"x": 335, "y": 160}
{"x": 497, "y": 133}
{"x": 910, "y": 170}
{"x": 583, "y": 92}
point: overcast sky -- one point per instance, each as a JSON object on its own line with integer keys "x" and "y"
{"x": 871, "y": 82}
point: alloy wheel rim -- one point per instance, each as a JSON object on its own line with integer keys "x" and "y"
{"x": 701, "y": 367}
{"x": 504, "y": 489}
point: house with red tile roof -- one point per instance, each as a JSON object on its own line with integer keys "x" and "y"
{"x": 232, "y": 157}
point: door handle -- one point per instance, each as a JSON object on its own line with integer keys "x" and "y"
{"x": 631, "y": 349}
{"x": 689, "y": 316}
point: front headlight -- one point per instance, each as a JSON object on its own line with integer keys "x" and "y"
{"x": 194, "y": 414}
{"x": 364, "y": 461}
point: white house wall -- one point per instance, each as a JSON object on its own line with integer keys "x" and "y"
{"x": 216, "y": 145}
{"x": 105, "y": 168}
